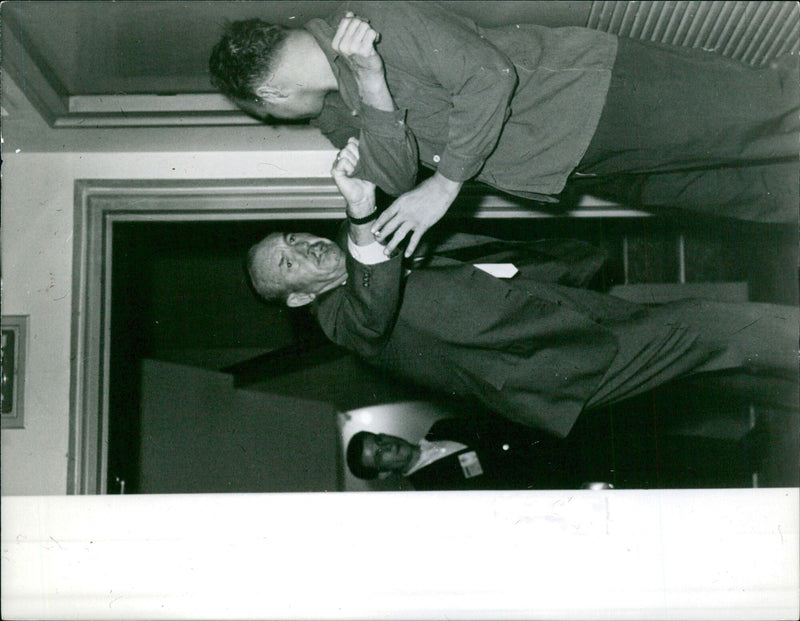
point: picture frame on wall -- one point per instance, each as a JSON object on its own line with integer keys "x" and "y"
{"x": 14, "y": 346}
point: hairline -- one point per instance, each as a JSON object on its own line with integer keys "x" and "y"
{"x": 281, "y": 290}
{"x": 251, "y": 84}
{"x": 371, "y": 472}
{"x": 277, "y": 59}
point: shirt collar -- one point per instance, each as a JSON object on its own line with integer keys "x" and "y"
{"x": 323, "y": 33}
{"x": 431, "y": 451}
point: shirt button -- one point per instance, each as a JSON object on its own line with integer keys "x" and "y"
{"x": 436, "y": 159}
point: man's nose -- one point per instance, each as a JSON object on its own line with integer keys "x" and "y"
{"x": 315, "y": 249}
{"x": 303, "y": 247}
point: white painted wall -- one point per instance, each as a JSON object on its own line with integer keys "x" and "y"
{"x": 37, "y": 226}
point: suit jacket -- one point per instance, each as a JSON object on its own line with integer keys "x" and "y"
{"x": 458, "y": 330}
{"x": 498, "y": 455}
{"x": 501, "y": 455}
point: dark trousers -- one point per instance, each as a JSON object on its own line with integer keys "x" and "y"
{"x": 688, "y": 337}
{"x": 688, "y": 129}
{"x": 664, "y": 343}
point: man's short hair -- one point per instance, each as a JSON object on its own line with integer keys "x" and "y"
{"x": 355, "y": 451}
{"x": 266, "y": 283}
{"x": 244, "y": 57}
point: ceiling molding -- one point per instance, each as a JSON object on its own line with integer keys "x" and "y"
{"x": 59, "y": 110}
{"x": 152, "y": 110}
{"x": 110, "y": 104}
{"x": 152, "y": 118}
{"x": 44, "y": 94}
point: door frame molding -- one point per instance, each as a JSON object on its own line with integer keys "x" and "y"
{"x": 99, "y": 206}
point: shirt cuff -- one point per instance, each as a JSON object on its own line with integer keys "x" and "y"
{"x": 383, "y": 122}
{"x": 367, "y": 255}
{"x": 458, "y": 168}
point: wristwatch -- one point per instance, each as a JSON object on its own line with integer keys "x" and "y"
{"x": 363, "y": 220}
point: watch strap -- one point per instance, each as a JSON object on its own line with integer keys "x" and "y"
{"x": 363, "y": 220}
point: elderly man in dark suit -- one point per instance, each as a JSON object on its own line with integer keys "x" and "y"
{"x": 534, "y": 347}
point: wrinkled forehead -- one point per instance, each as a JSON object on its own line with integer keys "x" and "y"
{"x": 270, "y": 246}
{"x": 264, "y": 258}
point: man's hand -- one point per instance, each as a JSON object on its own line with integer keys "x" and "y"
{"x": 415, "y": 212}
{"x": 359, "y": 194}
{"x": 355, "y": 41}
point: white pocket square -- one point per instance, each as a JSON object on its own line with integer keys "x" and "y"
{"x": 498, "y": 270}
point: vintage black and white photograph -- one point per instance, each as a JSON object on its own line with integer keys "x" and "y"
{"x": 349, "y": 285}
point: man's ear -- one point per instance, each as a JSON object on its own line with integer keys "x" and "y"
{"x": 297, "y": 298}
{"x": 269, "y": 93}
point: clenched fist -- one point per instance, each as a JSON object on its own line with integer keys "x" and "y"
{"x": 359, "y": 194}
{"x": 355, "y": 41}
